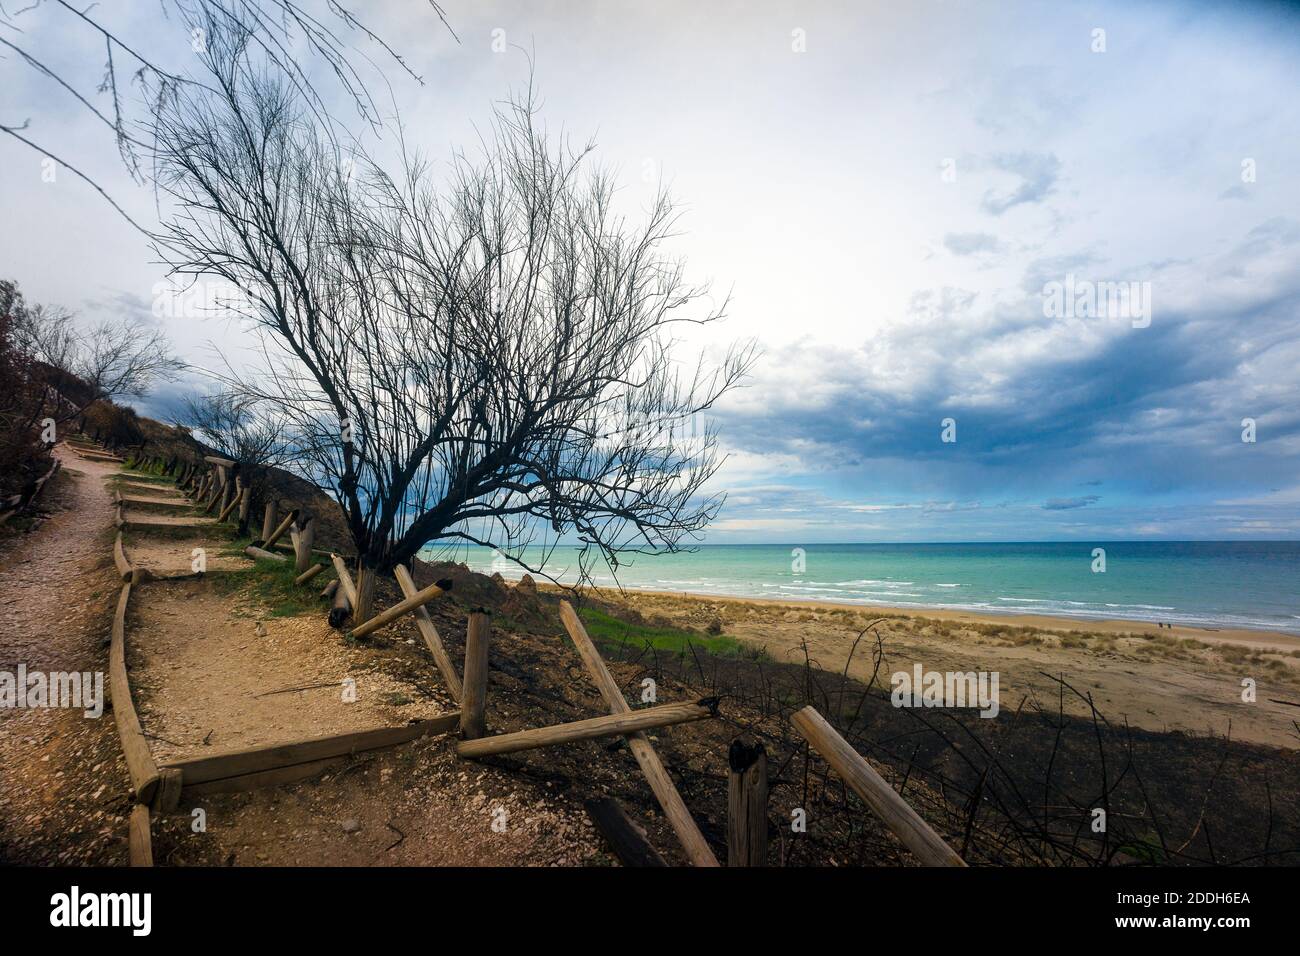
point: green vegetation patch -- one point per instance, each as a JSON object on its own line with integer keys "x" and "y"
{"x": 144, "y": 468}
{"x": 146, "y": 477}
{"x": 607, "y": 629}
{"x": 270, "y": 583}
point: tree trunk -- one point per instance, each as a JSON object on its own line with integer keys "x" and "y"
{"x": 365, "y": 608}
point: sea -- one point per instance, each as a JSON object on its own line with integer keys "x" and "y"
{"x": 1215, "y": 584}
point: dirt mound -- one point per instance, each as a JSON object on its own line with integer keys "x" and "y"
{"x": 472, "y": 590}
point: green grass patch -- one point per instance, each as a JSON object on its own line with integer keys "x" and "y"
{"x": 607, "y": 629}
{"x": 270, "y": 583}
{"x": 144, "y": 477}
{"x": 145, "y": 468}
{"x": 236, "y": 547}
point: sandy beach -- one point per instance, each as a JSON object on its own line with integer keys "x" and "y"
{"x": 1187, "y": 679}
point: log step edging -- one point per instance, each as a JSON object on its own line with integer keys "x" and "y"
{"x": 135, "y": 748}
{"x": 248, "y": 769}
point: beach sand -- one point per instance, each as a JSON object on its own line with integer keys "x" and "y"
{"x": 1162, "y": 679}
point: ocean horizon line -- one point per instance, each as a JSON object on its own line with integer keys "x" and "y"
{"x": 1200, "y": 583}
{"x": 987, "y": 541}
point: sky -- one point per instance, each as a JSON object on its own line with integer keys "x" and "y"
{"x": 893, "y": 195}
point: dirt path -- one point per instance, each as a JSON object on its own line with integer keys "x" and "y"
{"x": 63, "y": 782}
{"x": 186, "y": 634}
{"x": 64, "y": 787}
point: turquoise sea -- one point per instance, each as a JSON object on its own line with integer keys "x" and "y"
{"x": 1250, "y": 584}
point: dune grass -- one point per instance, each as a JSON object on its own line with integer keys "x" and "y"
{"x": 607, "y": 629}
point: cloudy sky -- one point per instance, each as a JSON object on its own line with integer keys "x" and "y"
{"x": 886, "y": 190}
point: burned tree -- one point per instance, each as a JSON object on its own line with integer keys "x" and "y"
{"x": 487, "y": 360}
{"x": 302, "y": 40}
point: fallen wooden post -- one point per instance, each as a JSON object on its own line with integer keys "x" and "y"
{"x": 345, "y": 597}
{"x": 258, "y": 554}
{"x": 430, "y": 634}
{"x": 419, "y": 599}
{"x": 692, "y": 840}
{"x": 330, "y": 588}
{"x": 289, "y": 519}
{"x": 473, "y": 703}
{"x": 281, "y": 763}
{"x": 310, "y": 573}
{"x": 747, "y": 805}
{"x": 345, "y": 579}
{"x": 340, "y": 608}
{"x": 610, "y": 725}
{"x": 625, "y": 838}
{"x": 895, "y": 812}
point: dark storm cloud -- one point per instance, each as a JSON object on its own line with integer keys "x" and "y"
{"x": 1067, "y": 504}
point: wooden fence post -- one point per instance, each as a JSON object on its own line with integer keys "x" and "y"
{"x": 625, "y": 838}
{"x": 268, "y": 519}
{"x": 406, "y": 605}
{"x": 278, "y": 533}
{"x": 217, "y": 488}
{"x": 230, "y": 496}
{"x": 895, "y": 812}
{"x": 747, "y": 805}
{"x": 229, "y": 507}
{"x": 302, "y": 552}
{"x": 430, "y": 634}
{"x": 688, "y": 833}
{"x": 473, "y": 701}
{"x": 609, "y": 725}
{"x": 310, "y": 573}
{"x": 340, "y": 607}
{"x": 245, "y": 502}
{"x": 344, "y": 595}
